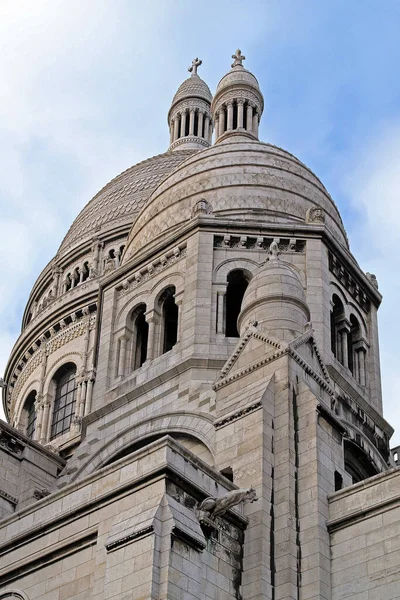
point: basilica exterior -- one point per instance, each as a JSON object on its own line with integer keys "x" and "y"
{"x": 194, "y": 403}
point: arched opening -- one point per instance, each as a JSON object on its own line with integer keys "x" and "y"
{"x": 140, "y": 337}
{"x": 357, "y": 463}
{"x": 337, "y": 336}
{"x": 237, "y": 285}
{"x": 190, "y": 442}
{"x": 85, "y": 272}
{"x": 169, "y": 311}
{"x": 28, "y": 417}
{"x": 196, "y": 124}
{"x": 64, "y": 399}
{"x": 352, "y": 338}
{"x": 235, "y": 116}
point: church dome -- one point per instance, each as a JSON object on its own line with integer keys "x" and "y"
{"x": 276, "y": 299}
{"x": 122, "y": 198}
{"x": 237, "y": 76}
{"x": 242, "y": 179}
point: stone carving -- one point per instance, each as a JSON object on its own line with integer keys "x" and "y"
{"x": 196, "y": 62}
{"x": 373, "y": 280}
{"x": 315, "y": 214}
{"x": 202, "y": 207}
{"x": 216, "y": 507}
{"x": 39, "y": 494}
{"x": 273, "y": 250}
{"x": 238, "y": 58}
{"x": 11, "y": 444}
{"x": 109, "y": 266}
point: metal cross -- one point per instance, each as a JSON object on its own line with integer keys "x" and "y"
{"x": 238, "y": 58}
{"x": 196, "y": 62}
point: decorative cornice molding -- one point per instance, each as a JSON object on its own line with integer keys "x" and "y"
{"x": 245, "y": 242}
{"x": 151, "y": 269}
{"x": 356, "y": 291}
{"x": 235, "y": 416}
{"x": 8, "y": 497}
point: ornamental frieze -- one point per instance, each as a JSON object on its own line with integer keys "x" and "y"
{"x": 349, "y": 283}
{"x": 152, "y": 269}
{"x": 246, "y": 242}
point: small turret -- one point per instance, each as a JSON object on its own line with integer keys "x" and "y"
{"x": 189, "y": 117}
{"x": 275, "y": 298}
{"x": 238, "y": 102}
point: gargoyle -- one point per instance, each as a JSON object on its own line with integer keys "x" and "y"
{"x": 215, "y": 507}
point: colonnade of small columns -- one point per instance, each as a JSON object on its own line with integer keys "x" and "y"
{"x": 184, "y": 124}
{"x": 351, "y": 354}
{"x": 236, "y": 114}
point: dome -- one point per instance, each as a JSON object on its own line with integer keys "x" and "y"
{"x": 121, "y": 199}
{"x": 238, "y": 76}
{"x": 276, "y": 299}
{"x": 242, "y": 179}
{"x": 193, "y": 87}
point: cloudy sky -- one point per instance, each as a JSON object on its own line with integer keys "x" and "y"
{"x": 85, "y": 90}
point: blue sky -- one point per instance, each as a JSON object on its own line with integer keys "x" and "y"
{"x": 86, "y": 87}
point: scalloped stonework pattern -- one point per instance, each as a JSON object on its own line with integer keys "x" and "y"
{"x": 124, "y": 196}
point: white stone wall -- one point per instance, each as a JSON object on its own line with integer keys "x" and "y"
{"x": 364, "y": 523}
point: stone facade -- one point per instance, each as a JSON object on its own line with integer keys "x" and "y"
{"x": 210, "y": 339}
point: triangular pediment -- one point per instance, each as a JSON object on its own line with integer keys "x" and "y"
{"x": 252, "y": 351}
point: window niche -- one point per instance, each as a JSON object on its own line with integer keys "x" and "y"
{"x": 28, "y": 416}
{"x": 140, "y": 337}
{"x": 169, "y": 319}
{"x": 64, "y": 389}
{"x": 238, "y": 281}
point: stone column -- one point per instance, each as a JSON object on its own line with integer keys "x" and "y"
{"x": 345, "y": 354}
{"x": 221, "y": 120}
{"x": 255, "y": 123}
{"x": 56, "y": 280}
{"x": 183, "y": 124}
{"x": 249, "y": 124}
{"x": 171, "y": 133}
{"x": 216, "y": 126}
{"x": 229, "y": 126}
{"x": 220, "y": 326}
{"x": 178, "y": 301}
{"x": 122, "y": 356}
{"x": 81, "y": 274}
{"x": 44, "y": 434}
{"x": 240, "y": 105}
{"x": 361, "y": 356}
{"x": 152, "y": 319}
{"x": 207, "y": 128}
{"x": 176, "y": 127}
{"x": 39, "y": 419}
{"x": 89, "y": 394}
{"x": 191, "y": 122}
{"x": 200, "y": 125}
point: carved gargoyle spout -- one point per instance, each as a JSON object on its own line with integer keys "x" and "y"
{"x": 215, "y": 507}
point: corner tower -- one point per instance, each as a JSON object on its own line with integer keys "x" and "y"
{"x": 189, "y": 117}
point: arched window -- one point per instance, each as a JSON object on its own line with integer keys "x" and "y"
{"x": 237, "y": 284}
{"x": 28, "y": 420}
{"x": 140, "y": 337}
{"x": 64, "y": 400}
{"x": 357, "y": 463}
{"x": 169, "y": 320}
{"x": 337, "y": 318}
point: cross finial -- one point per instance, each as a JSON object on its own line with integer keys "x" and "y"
{"x": 238, "y": 58}
{"x": 196, "y": 62}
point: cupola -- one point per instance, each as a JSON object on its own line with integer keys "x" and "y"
{"x": 276, "y": 299}
{"x": 238, "y": 102}
{"x": 189, "y": 117}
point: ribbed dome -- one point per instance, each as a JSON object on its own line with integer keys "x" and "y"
{"x": 121, "y": 199}
{"x": 242, "y": 179}
{"x": 193, "y": 87}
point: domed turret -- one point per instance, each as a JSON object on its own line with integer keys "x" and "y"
{"x": 189, "y": 116}
{"x": 238, "y": 102}
{"x": 275, "y": 298}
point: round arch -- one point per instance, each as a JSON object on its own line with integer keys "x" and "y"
{"x": 70, "y": 357}
{"x": 13, "y": 595}
{"x": 197, "y": 426}
{"x": 222, "y": 271}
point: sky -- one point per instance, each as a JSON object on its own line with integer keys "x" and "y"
{"x": 85, "y": 90}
